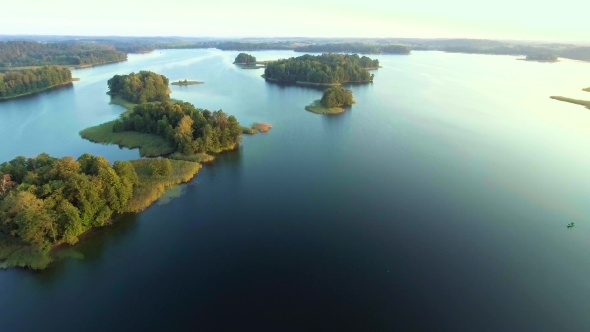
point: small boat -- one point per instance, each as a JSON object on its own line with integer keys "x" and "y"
{"x": 570, "y": 225}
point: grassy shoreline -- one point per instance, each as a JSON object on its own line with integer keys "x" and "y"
{"x": 185, "y": 82}
{"x": 42, "y": 90}
{"x": 317, "y": 108}
{"x": 572, "y": 101}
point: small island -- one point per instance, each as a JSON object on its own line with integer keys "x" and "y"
{"x": 46, "y": 201}
{"x": 541, "y": 57}
{"x": 256, "y": 127}
{"x": 186, "y": 82}
{"x": 245, "y": 59}
{"x": 333, "y": 101}
{"x": 322, "y": 70}
{"x": 19, "y": 83}
{"x": 587, "y": 89}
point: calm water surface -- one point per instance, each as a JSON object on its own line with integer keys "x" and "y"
{"x": 438, "y": 202}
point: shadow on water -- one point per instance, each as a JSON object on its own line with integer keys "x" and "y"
{"x": 90, "y": 248}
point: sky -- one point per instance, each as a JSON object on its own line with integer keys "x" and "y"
{"x": 564, "y": 20}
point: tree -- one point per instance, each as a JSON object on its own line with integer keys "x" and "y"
{"x": 162, "y": 167}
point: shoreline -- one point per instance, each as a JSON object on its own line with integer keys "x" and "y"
{"x": 42, "y": 90}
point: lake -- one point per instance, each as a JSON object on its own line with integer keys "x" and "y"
{"x": 438, "y": 202}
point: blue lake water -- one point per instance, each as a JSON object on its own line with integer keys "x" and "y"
{"x": 438, "y": 202}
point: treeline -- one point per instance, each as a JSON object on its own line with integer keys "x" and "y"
{"x": 21, "y": 82}
{"x": 142, "y": 87}
{"x": 249, "y": 46}
{"x": 23, "y": 53}
{"x": 355, "y": 48}
{"x": 336, "y": 96}
{"x": 325, "y": 68}
{"x": 245, "y": 58}
{"x": 45, "y": 201}
{"x": 189, "y": 129}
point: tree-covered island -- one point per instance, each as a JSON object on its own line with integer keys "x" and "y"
{"x": 17, "y": 83}
{"x": 245, "y": 59}
{"x": 333, "y": 101}
{"x": 142, "y": 87}
{"x": 325, "y": 69}
{"x": 46, "y": 201}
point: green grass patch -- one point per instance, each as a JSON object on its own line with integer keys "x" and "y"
{"x": 318, "y": 108}
{"x": 573, "y": 101}
{"x": 151, "y": 187}
{"x": 149, "y": 145}
{"x": 117, "y": 100}
{"x": 197, "y": 158}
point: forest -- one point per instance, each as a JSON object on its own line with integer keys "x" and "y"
{"x": 326, "y": 69}
{"x": 336, "y": 96}
{"x": 24, "y": 53}
{"x": 355, "y": 48}
{"x": 45, "y": 201}
{"x": 27, "y": 81}
{"x": 189, "y": 129}
{"x": 143, "y": 87}
{"x": 245, "y": 58}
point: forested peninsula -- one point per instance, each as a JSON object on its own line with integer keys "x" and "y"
{"x": 325, "y": 69}
{"x": 45, "y": 201}
{"x": 333, "y": 101}
{"x": 574, "y": 101}
{"x": 355, "y": 48}
{"x": 19, "y": 83}
{"x": 23, "y": 53}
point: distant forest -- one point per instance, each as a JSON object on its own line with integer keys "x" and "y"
{"x": 325, "y": 68}
{"x": 245, "y": 46}
{"x": 21, "y": 82}
{"x": 189, "y": 129}
{"x": 24, "y": 53}
{"x": 355, "y": 48}
{"x": 142, "y": 87}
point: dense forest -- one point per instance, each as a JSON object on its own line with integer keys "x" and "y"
{"x": 189, "y": 129}
{"x": 21, "y": 82}
{"x": 23, "y": 53}
{"x": 45, "y": 201}
{"x": 326, "y": 68}
{"x": 245, "y": 58}
{"x": 142, "y": 87}
{"x": 336, "y": 96}
{"x": 355, "y": 48}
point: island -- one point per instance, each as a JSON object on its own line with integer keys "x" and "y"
{"x": 186, "y": 82}
{"x": 256, "y": 127}
{"x": 326, "y": 69}
{"x": 333, "y": 101}
{"x": 18, "y": 83}
{"x": 543, "y": 57}
{"x": 244, "y": 59}
{"x": 587, "y": 89}
{"x": 46, "y": 201}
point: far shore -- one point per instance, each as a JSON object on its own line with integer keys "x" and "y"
{"x": 185, "y": 82}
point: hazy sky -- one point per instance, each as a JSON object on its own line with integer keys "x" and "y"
{"x": 565, "y": 20}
